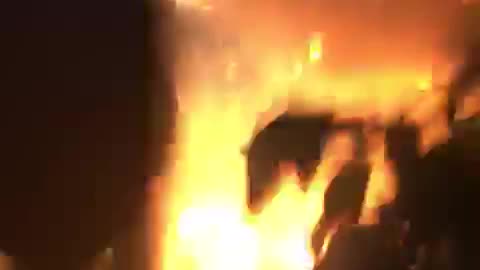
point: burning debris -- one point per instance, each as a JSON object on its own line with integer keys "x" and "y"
{"x": 338, "y": 208}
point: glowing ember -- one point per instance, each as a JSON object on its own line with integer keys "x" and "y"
{"x": 316, "y": 48}
{"x": 424, "y": 85}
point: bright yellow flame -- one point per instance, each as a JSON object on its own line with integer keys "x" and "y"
{"x": 209, "y": 226}
{"x": 424, "y": 85}
{"x": 326, "y": 244}
{"x": 316, "y": 48}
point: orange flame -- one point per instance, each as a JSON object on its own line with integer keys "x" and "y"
{"x": 209, "y": 226}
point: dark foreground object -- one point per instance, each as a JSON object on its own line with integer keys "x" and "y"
{"x": 297, "y": 138}
{"x": 287, "y": 138}
{"x": 343, "y": 200}
{"x": 439, "y": 192}
{"x": 77, "y": 126}
{"x": 359, "y": 247}
{"x": 466, "y": 33}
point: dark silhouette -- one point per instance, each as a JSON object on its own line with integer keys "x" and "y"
{"x": 402, "y": 140}
{"x": 360, "y": 247}
{"x": 302, "y": 139}
{"x": 343, "y": 200}
{"x": 82, "y": 117}
{"x": 298, "y": 138}
{"x": 287, "y": 138}
{"x": 466, "y": 77}
{"x": 467, "y": 34}
{"x": 438, "y": 190}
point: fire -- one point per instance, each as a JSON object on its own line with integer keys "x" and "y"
{"x": 424, "y": 85}
{"x": 316, "y": 48}
{"x": 209, "y": 226}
